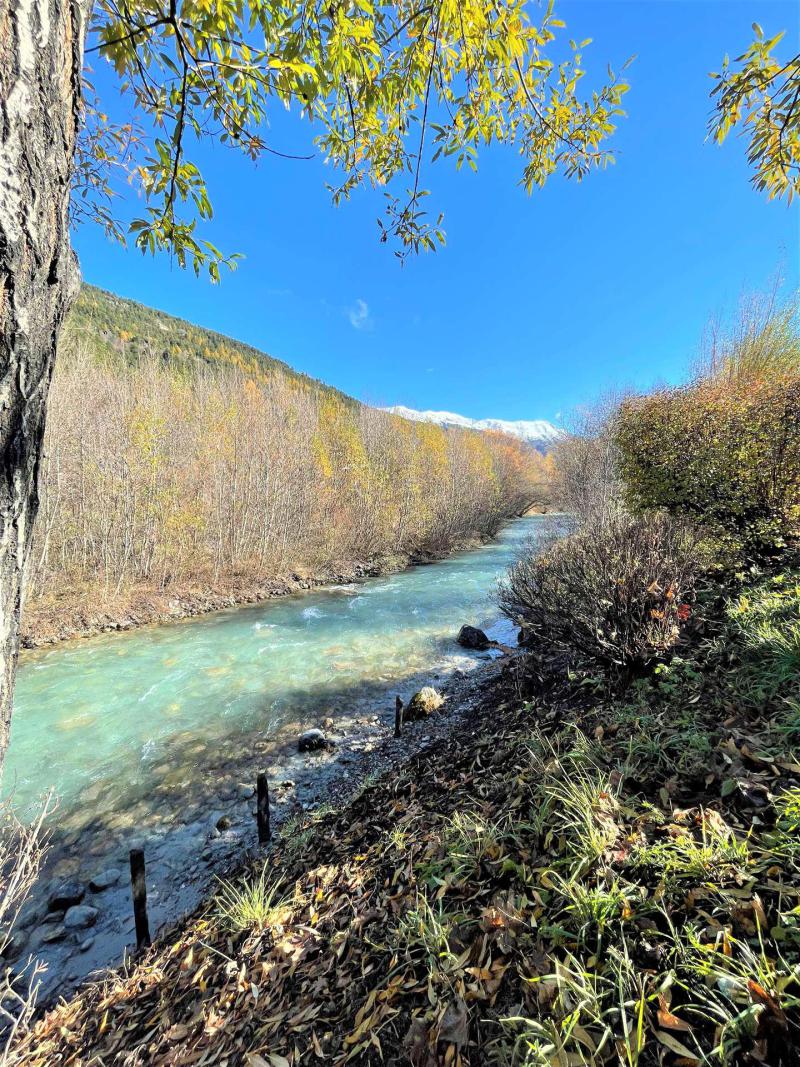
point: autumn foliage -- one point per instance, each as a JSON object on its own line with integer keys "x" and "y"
{"x": 162, "y": 473}
{"x": 724, "y": 452}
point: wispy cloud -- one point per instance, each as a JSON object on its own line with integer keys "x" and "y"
{"x": 359, "y": 315}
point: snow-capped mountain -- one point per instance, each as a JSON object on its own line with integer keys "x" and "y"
{"x": 538, "y": 432}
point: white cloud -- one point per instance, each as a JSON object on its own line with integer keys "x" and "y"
{"x": 359, "y": 315}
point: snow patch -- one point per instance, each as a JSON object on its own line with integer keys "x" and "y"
{"x": 536, "y": 431}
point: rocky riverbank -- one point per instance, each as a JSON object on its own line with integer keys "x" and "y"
{"x": 79, "y": 919}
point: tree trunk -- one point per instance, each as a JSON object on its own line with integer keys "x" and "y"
{"x": 41, "y": 53}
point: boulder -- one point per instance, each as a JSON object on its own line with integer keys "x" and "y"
{"x": 472, "y": 637}
{"x": 105, "y": 879}
{"x": 65, "y": 896}
{"x": 313, "y": 741}
{"x": 13, "y": 947}
{"x": 80, "y": 917}
{"x": 421, "y": 705}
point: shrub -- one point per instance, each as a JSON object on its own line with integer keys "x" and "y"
{"x": 22, "y": 848}
{"x": 616, "y": 593}
{"x": 725, "y": 450}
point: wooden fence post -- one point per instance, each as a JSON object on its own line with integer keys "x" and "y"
{"x": 139, "y": 893}
{"x": 262, "y": 809}
{"x": 398, "y": 716}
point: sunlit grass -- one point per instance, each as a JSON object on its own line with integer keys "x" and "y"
{"x": 250, "y": 904}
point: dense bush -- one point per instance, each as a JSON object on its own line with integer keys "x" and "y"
{"x": 725, "y": 451}
{"x": 617, "y": 593}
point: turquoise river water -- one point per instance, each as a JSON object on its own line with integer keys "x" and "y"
{"x": 110, "y": 714}
{"x": 148, "y": 737}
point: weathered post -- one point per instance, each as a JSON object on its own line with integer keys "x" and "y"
{"x": 139, "y": 893}
{"x": 398, "y": 716}
{"x": 262, "y": 809}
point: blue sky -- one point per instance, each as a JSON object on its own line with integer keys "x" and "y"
{"x": 536, "y": 304}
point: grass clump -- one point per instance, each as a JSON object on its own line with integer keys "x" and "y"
{"x": 714, "y": 852}
{"x": 250, "y": 904}
{"x": 576, "y": 809}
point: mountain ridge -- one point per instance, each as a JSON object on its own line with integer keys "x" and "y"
{"x": 123, "y": 328}
{"x": 538, "y": 432}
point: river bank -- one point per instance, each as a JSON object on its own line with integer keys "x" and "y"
{"x": 585, "y": 876}
{"x": 208, "y": 829}
{"x": 154, "y": 738}
{"x": 77, "y": 612}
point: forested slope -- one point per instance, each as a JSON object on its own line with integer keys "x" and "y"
{"x": 113, "y": 326}
{"x": 178, "y": 460}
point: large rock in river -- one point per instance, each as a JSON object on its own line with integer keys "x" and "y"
{"x": 421, "y": 705}
{"x": 472, "y": 637}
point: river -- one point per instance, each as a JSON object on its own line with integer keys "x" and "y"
{"x": 142, "y": 735}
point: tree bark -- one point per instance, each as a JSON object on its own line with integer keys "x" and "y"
{"x": 41, "y": 54}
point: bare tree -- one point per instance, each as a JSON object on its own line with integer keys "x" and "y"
{"x": 585, "y": 478}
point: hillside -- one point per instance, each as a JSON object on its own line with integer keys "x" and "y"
{"x": 114, "y": 326}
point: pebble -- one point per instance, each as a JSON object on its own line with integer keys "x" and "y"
{"x": 53, "y": 933}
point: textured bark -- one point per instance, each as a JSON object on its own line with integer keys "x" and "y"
{"x": 41, "y": 49}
